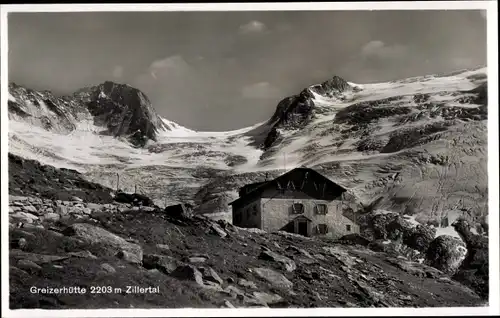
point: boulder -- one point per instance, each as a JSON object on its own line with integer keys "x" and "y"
{"x": 287, "y": 263}
{"x": 399, "y": 226}
{"x": 216, "y": 229}
{"x": 379, "y": 224}
{"x": 108, "y": 269}
{"x": 135, "y": 199}
{"x": 188, "y": 272}
{"x": 130, "y": 257}
{"x": 164, "y": 247}
{"x": 210, "y": 275}
{"x": 165, "y": 264}
{"x": 51, "y": 217}
{"x": 30, "y": 209}
{"x": 111, "y": 243}
{"x": 246, "y": 283}
{"x": 16, "y": 272}
{"x": 62, "y": 210}
{"x": 95, "y": 207}
{"x": 268, "y": 299}
{"x": 446, "y": 253}
{"x": 180, "y": 211}
{"x": 28, "y": 266}
{"x": 474, "y": 271}
{"x": 421, "y": 237}
{"x": 83, "y": 254}
{"x": 24, "y": 217}
{"x": 273, "y": 277}
{"x": 197, "y": 259}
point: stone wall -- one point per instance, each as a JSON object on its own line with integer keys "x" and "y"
{"x": 277, "y": 213}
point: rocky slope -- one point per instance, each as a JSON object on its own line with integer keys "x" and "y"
{"x": 192, "y": 261}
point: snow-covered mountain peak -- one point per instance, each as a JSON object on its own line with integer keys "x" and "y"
{"x": 119, "y": 110}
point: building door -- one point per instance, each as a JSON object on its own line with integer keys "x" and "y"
{"x": 303, "y": 228}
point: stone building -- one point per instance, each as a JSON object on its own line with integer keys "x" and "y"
{"x": 300, "y": 201}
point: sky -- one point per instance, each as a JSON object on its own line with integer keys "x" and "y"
{"x": 218, "y": 71}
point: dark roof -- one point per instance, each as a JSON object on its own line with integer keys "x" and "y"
{"x": 250, "y": 187}
{"x": 255, "y": 192}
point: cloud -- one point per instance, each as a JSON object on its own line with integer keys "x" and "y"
{"x": 170, "y": 66}
{"x": 253, "y": 27}
{"x": 118, "y": 71}
{"x": 260, "y": 90}
{"x": 379, "y": 50}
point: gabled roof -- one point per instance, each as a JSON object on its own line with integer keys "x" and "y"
{"x": 298, "y": 173}
{"x": 302, "y": 217}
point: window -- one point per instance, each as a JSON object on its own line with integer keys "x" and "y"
{"x": 321, "y": 209}
{"x": 322, "y": 228}
{"x": 248, "y": 213}
{"x": 348, "y": 228}
{"x": 297, "y": 208}
{"x": 254, "y": 210}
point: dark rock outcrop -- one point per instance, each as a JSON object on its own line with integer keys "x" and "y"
{"x": 368, "y": 112}
{"x": 421, "y": 237}
{"x": 331, "y": 87}
{"x": 125, "y": 111}
{"x": 446, "y": 253}
{"x": 180, "y": 211}
{"x": 297, "y": 111}
{"x": 377, "y": 225}
{"x": 474, "y": 271}
{"x": 135, "y": 199}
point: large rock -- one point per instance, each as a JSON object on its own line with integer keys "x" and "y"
{"x": 209, "y": 274}
{"x": 24, "y": 217}
{"x": 474, "y": 271}
{"x": 267, "y": 299}
{"x": 28, "y": 266}
{"x": 180, "y": 211}
{"x": 374, "y": 225}
{"x": 273, "y": 277}
{"x": 189, "y": 272}
{"x": 421, "y": 237}
{"x": 163, "y": 263}
{"x": 111, "y": 243}
{"x": 446, "y": 253}
{"x": 287, "y": 263}
{"x": 399, "y": 226}
{"x": 135, "y": 199}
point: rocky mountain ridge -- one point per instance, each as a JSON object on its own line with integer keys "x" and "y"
{"x": 114, "y": 109}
